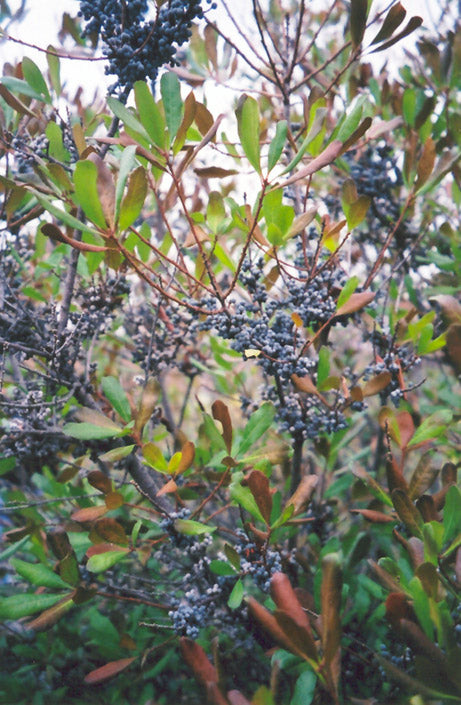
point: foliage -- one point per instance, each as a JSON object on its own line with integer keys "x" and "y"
{"x": 230, "y": 363}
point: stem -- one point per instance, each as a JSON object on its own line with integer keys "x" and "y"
{"x": 296, "y": 463}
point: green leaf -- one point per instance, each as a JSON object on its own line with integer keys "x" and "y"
{"x": 115, "y": 393}
{"x": 7, "y": 464}
{"x": 393, "y": 19}
{"x": 64, "y": 216}
{"x": 432, "y": 427}
{"x": 86, "y": 191}
{"x": 346, "y": 292}
{"x": 154, "y": 457}
{"x": 236, "y": 596}
{"x": 284, "y": 516}
{"x": 88, "y": 431}
{"x": 189, "y": 527}
{"x": 247, "y": 113}
{"x": 16, "y": 85}
{"x": 277, "y": 144}
{"x": 314, "y": 131}
{"x": 150, "y": 114}
{"x": 215, "y": 212}
{"x": 112, "y": 456}
{"x": 323, "y": 365}
{"x": 127, "y": 117}
{"x": 409, "y": 106}
{"x": 452, "y": 513}
{"x": 18, "y": 606}
{"x": 221, "y": 568}
{"x": 172, "y": 103}
{"x": 37, "y": 574}
{"x": 260, "y": 421}
{"x": 304, "y": 688}
{"x": 34, "y": 78}
{"x": 243, "y": 496}
{"x": 103, "y": 561}
{"x": 134, "y": 198}
{"x": 56, "y": 147}
{"x": 54, "y": 68}
{"x": 351, "y": 121}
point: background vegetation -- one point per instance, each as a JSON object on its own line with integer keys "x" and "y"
{"x": 230, "y": 355}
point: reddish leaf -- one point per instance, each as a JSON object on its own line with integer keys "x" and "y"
{"x": 302, "y": 494}
{"x": 376, "y": 384}
{"x": 427, "y": 573}
{"x": 110, "y": 531}
{"x": 374, "y": 516}
{"x": 168, "y": 487}
{"x": 259, "y": 488}
{"x": 387, "y": 580}
{"x": 298, "y": 636}
{"x": 449, "y": 474}
{"x": 89, "y": 513}
{"x": 114, "y": 500}
{"x": 147, "y": 404}
{"x": 454, "y": 344}
{"x": 58, "y": 540}
{"x": 99, "y": 548}
{"x": 393, "y": 19}
{"x": 423, "y": 477}
{"x": 101, "y": 482}
{"x": 197, "y": 660}
{"x": 221, "y": 414}
{"x": 410, "y": 27}
{"x": 395, "y": 478}
{"x": 355, "y": 303}
{"x": 235, "y": 697}
{"x": 286, "y": 600}
{"x": 109, "y": 670}
{"x": 49, "y": 617}
{"x": 425, "y": 164}
{"x": 407, "y": 512}
{"x": 187, "y": 457}
{"x": 52, "y": 231}
{"x": 358, "y": 20}
{"x": 416, "y": 551}
{"x": 426, "y": 507}
{"x": 214, "y": 172}
{"x": 331, "y": 605}
{"x": 329, "y": 154}
{"x": 458, "y": 565}
{"x": 397, "y": 607}
{"x": 269, "y": 623}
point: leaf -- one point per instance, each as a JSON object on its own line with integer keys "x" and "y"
{"x": 52, "y": 615}
{"x": 410, "y": 27}
{"x": 221, "y": 414}
{"x": 106, "y": 188}
{"x": 86, "y": 191}
{"x": 115, "y": 393}
{"x": 301, "y": 222}
{"x": 187, "y": 457}
{"x": 314, "y": 131}
{"x": 287, "y": 601}
{"x": 15, "y": 102}
{"x": 88, "y": 432}
{"x": 100, "y": 562}
{"x": 393, "y": 19}
{"x": 277, "y": 144}
{"x": 243, "y": 496}
{"x": 172, "y": 102}
{"x": 331, "y": 605}
{"x": 109, "y": 670}
{"x": 236, "y": 596}
{"x": 149, "y": 113}
{"x": 64, "y": 216}
{"x": 127, "y": 117}
{"x": 426, "y": 164}
{"x": 196, "y": 658}
{"x": 259, "y": 488}
{"x": 16, "y": 85}
{"x": 452, "y": 513}
{"x": 358, "y": 20}
{"x": 116, "y": 454}
{"x": 147, "y": 404}
{"x": 154, "y": 457}
{"x": 423, "y": 477}
{"x": 304, "y": 690}
{"x": 247, "y": 113}
{"x": 376, "y": 384}
{"x": 407, "y": 512}
{"x": 37, "y": 574}
{"x": 221, "y": 568}
{"x": 260, "y": 421}
{"x": 189, "y": 527}
{"x": 329, "y": 154}
{"x": 134, "y": 198}
{"x": 303, "y": 493}
{"x": 355, "y": 303}
{"x": 110, "y": 531}
{"x": 17, "y": 606}
{"x": 34, "y": 78}
{"x": 54, "y": 68}
{"x": 89, "y": 513}
{"x": 52, "y": 231}
{"x": 432, "y": 427}
{"x": 127, "y": 161}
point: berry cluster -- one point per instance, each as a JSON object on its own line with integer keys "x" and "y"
{"x": 135, "y": 46}
{"x": 259, "y": 565}
{"x": 271, "y": 326}
{"x": 394, "y": 359}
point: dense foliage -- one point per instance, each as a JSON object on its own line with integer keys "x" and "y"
{"x": 230, "y": 356}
